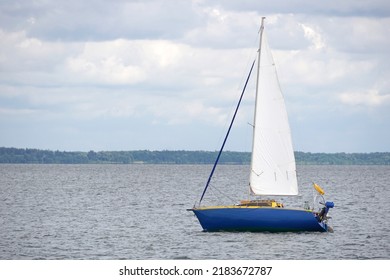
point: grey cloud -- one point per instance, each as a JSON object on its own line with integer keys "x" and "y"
{"x": 98, "y": 20}
{"x": 374, "y": 8}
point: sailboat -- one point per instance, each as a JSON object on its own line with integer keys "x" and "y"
{"x": 272, "y": 168}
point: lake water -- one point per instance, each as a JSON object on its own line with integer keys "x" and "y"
{"x": 139, "y": 212}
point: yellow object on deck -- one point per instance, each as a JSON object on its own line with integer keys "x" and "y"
{"x": 318, "y": 189}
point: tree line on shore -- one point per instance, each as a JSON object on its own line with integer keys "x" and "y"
{"x": 16, "y": 155}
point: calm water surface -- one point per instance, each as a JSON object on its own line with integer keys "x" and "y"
{"x": 139, "y": 212}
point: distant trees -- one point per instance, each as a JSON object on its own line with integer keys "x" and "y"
{"x": 343, "y": 158}
{"x": 14, "y": 155}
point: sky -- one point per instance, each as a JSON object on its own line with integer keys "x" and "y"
{"x": 166, "y": 74}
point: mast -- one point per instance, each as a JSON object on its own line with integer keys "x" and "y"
{"x": 257, "y": 90}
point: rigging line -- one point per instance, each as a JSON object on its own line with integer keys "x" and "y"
{"x": 227, "y": 134}
{"x": 221, "y": 193}
{"x": 232, "y": 104}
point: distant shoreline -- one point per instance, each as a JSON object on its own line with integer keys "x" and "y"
{"x": 37, "y": 156}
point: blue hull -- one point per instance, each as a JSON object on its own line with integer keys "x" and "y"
{"x": 258, "y": 219}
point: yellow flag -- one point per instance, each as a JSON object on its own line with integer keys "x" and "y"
{"x": 318, "y": 189}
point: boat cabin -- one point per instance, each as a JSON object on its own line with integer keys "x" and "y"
{"x": 263, "y": 203}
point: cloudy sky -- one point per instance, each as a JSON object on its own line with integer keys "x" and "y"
{"x": 166, "y": 74}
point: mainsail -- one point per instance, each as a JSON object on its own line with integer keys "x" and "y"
{"x": 273, "y": 170}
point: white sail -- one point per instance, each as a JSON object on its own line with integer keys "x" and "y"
{"x": 273, "y": 170}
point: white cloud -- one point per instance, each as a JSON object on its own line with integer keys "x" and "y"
{"x": 104, "y": 63}
{"x": 314, "y": 36}
{"x": 369, "y": 98}
{"x": 357, "y": 34}
{"x": 223, "y": 29}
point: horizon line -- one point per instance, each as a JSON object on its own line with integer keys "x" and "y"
{"x": 179, "y": 150}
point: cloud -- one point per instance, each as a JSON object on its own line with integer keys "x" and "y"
{"x": 106, "y": 63}
{"x": 179, "y": 66}
{"x": 370, "y": 98}
{"x": 98, "y": 20}
{"x": 223, "y": 29}
{"x": 99, "y": 77}
{"x": 315, "y": 37}
{"x": 346, "y": 8}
